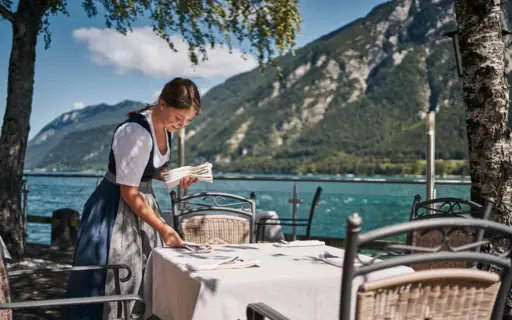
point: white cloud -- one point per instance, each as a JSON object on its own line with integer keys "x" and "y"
{"x": 143, "y": 51}
{"x": 79, "y": 105}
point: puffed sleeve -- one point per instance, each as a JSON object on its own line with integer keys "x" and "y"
{"x": 132, "y": 147}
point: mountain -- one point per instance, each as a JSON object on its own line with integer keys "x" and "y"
{"x": 352, "y": 101}
{"x": 49, "y": 141}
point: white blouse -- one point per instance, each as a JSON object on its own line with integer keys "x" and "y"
{"x": 131, "y": 146}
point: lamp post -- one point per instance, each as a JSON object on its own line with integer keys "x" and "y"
{"x": 431, "y": 139}
{"x": 295, "y": 201}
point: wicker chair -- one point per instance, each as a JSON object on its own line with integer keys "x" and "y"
{"x": 299, "y": 222}
{"x": 441, "y": 294}
{"x": 447, "y": 208}
{"x": 214, "y": 218}
{"x": 6, "y": 306}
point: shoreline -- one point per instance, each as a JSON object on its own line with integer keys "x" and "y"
{"x": 94, "y": 174}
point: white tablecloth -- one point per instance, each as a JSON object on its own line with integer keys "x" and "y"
{"x": 290, "y": 280}
{"x": 272, "y": 233}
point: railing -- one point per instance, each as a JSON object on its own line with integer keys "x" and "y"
{"x": 379, "y": 201}
{"x": 276, "y": 178}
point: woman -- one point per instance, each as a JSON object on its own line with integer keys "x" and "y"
{"x": 121, "y": 221}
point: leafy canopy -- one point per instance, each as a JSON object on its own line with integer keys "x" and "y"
{"x": 269, "y": 26}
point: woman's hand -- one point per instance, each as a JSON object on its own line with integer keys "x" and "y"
{"x": 187, "y": 182}
{"x": 160, "y": 174}
{"x": 171, "y": 237}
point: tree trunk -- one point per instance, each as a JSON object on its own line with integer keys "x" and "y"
{"x": 486, "y": 96}
{"x": 16, "y": 125}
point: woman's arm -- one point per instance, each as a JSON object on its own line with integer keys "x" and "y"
{"x": 141, "y": 208}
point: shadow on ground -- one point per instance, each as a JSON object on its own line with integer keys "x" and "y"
{"x": 37, "y": 287}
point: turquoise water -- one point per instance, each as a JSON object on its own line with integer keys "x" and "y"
{"x": 378, "y": 204}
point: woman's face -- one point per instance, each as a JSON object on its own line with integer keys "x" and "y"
{"x": 174, "y": 119}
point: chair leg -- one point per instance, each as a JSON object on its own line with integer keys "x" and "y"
{"x": 258, "y": 229}
{"x": 253, "y": 315}
{"x": 126, "y": 305}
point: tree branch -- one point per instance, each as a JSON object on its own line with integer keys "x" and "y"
{"x": 6, "y": 13}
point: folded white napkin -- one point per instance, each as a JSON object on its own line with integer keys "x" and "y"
{"x": 299, "y": 243}
{"x": 231, "y": 263}
{"x": 197, "y": 248}
{"x": 202, "y": 172}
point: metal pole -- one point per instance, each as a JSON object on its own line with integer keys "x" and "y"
{"x": 294, "y": 201}
{"x": 458, "y": 58}
{"x": 25, "y": 207}
{"x": 181, "y": 156}
{"x": 431, "y": 136}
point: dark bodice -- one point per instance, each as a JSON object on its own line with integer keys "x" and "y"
{"x": 150, "y": 170}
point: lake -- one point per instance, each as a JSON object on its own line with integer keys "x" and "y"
{"x": 378, "y": 204}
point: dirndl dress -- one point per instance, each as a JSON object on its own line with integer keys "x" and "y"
{"x": 111, "y": 233}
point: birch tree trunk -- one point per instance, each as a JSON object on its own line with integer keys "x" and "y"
{"x": 486, "y": 96}
{"x": 16, "y": 125}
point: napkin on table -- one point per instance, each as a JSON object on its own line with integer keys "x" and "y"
{"x": 231, "y": 263}
{"x": 197, "y": 248}
{"x": 334, "y": 259}
{"x": 299, "y": 243}
{"x": 331, "y": 259}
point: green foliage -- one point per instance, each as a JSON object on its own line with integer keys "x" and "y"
{"x": 267, "y": 25}
{"x": 339, "y": 163}
{"x": 5, "y": 10}
{"x": 51, "y": 8}
{"x": 6, "y": 3}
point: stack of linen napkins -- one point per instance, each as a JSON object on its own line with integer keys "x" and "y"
{"x": 299, "y": 243}
{"x": 231, "y": 263}
{"x": 202, "y": 172}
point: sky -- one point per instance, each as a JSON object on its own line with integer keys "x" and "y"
{"x": 88, "y": 64}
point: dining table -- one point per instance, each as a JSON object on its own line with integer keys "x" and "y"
{"x": 181, "y": 284}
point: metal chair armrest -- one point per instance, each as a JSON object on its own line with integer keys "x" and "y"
{"x": 284, "y": 219}
{"x": 278, "y": 221}
{"x": 284, "y": 223}
{"x": 260, "y": 311}
{"x": 17, "y": 273}
{"x": 76, "y": 301}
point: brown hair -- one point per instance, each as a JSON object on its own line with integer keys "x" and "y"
{"x": 178, "y": 93}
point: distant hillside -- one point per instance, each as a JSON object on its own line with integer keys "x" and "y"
{"x": 352, "y": 101}
{"x": 47, "y": 141}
